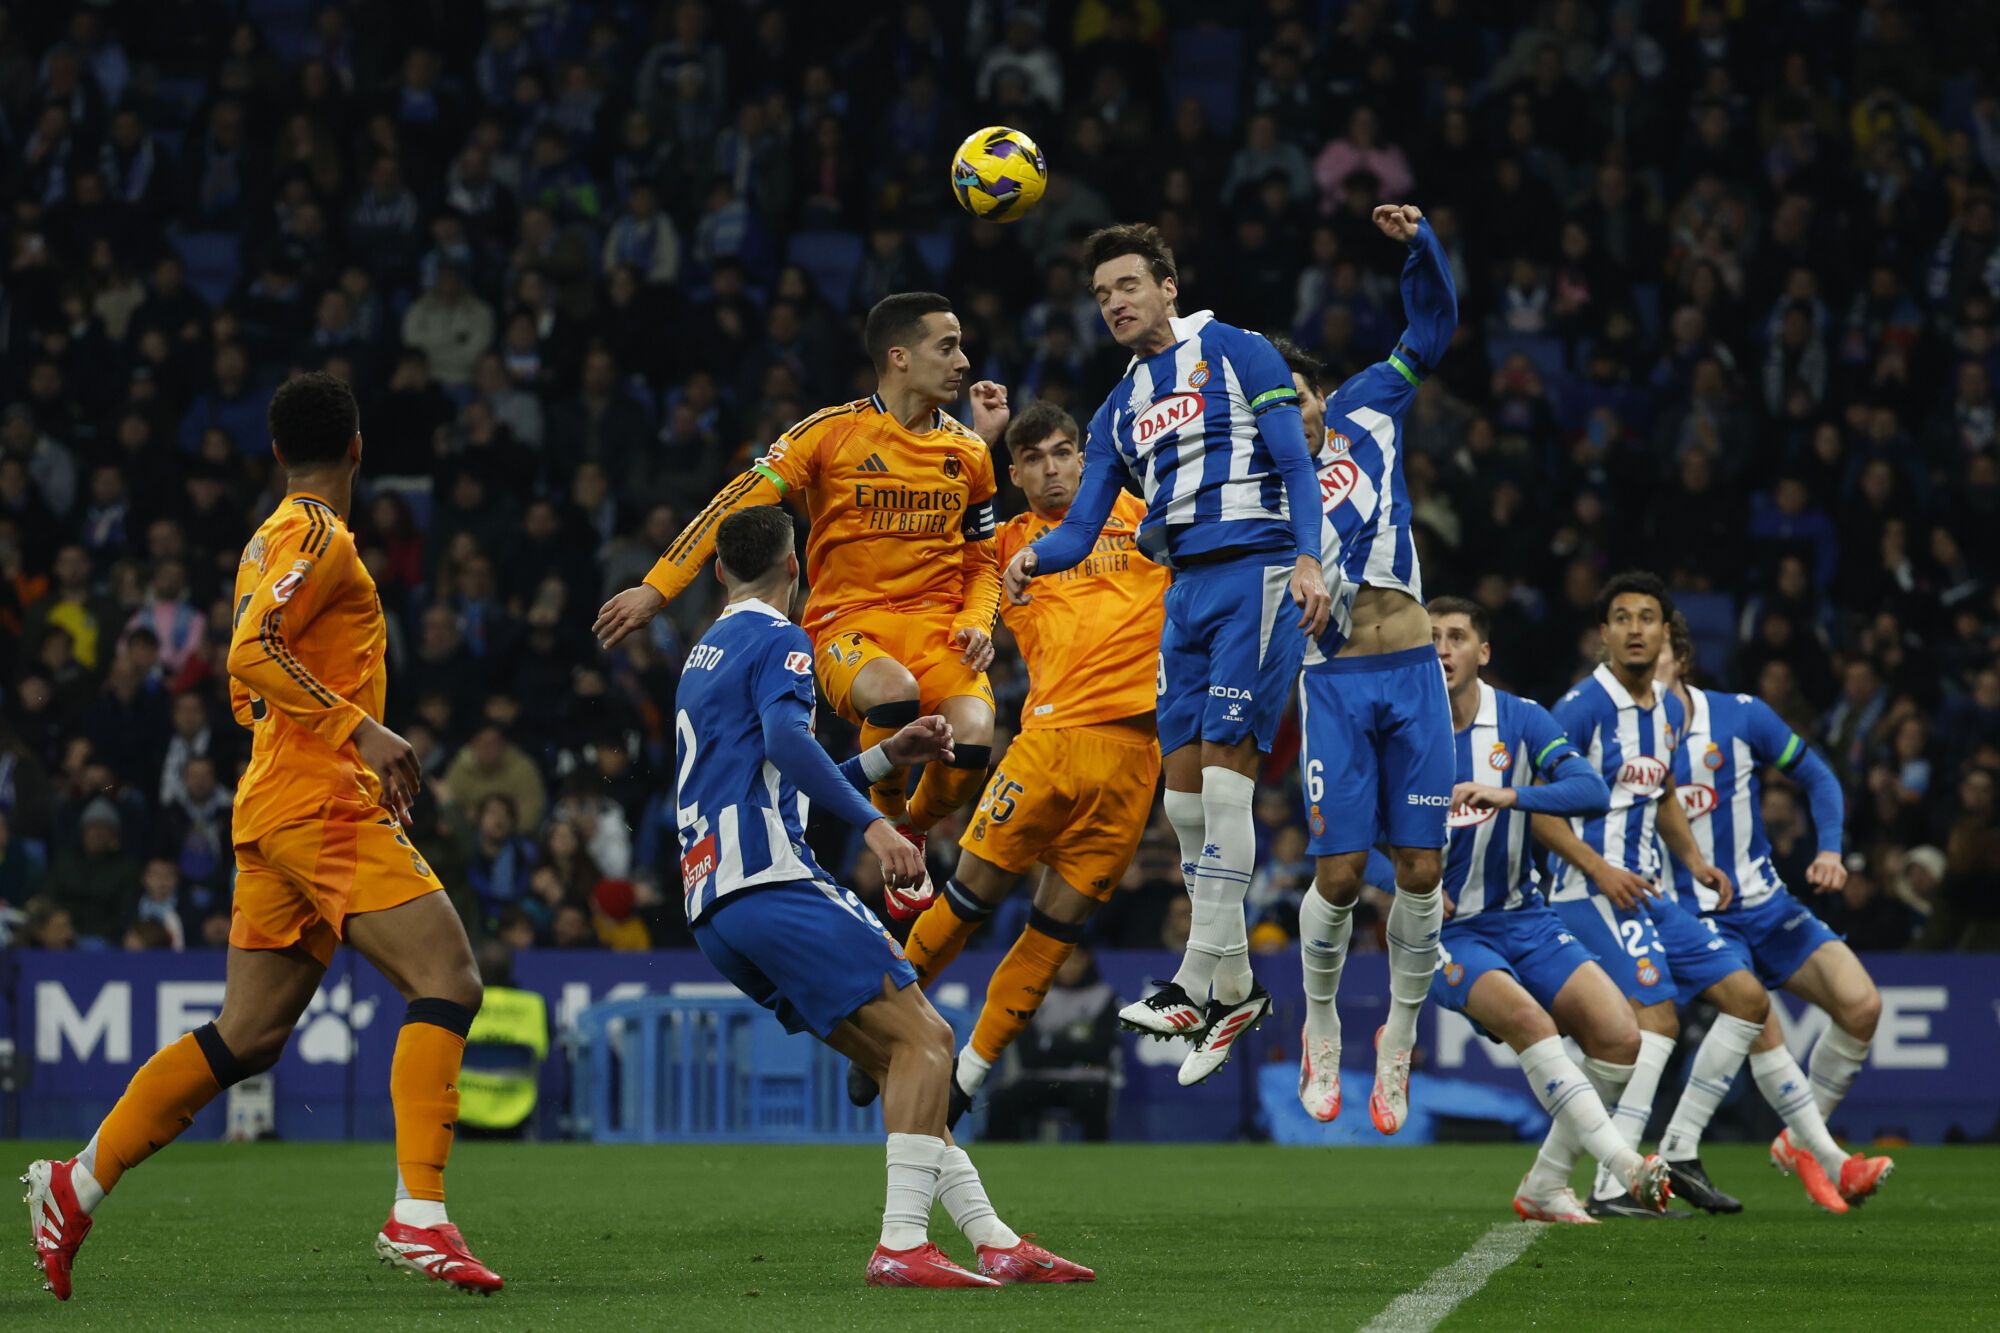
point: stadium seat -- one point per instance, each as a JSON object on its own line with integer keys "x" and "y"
{"x": 1711, "y": 618}
{"x": 212, "y": 262}
{"x": 831, "y": 258}
{"x": 1206, "y": 64}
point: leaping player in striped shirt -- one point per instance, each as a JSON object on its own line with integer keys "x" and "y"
{"x": 1509, "y": 964}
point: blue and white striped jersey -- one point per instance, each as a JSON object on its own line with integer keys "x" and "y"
{"x": 742, "y": 822}
{"x": 1366, "y": 531}
{"x": 1488, "y": 856}
{"x": 1209, "y": 429}
{"x": 1730, "y": 737}
{"x": 1633, "y": 748}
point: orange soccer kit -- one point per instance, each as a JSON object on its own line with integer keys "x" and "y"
{"x": 900, "y": 558}
{"x": 1075, "y": 789}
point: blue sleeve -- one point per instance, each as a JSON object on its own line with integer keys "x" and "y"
{"x": 1430, "y": 303}
{"x": 1572, "y": 717}
{"x": 781, "y": 685}
{"x": 1071, "y": 540}
{"x": 1774, "y": 742}
{"x": 1573, "y": 786}
{"x": 1274, "y": 400}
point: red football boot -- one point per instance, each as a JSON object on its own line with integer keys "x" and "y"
{"x": 908, "y": 902}
{"x": 922, "y": 1266}
{"x": 1389, "y": 1103}
{"x": 1818, "y": 1188}
{"x": 1783, "y": 1155}
{"x": 1025, "y": 1261}
{"x": 1860, "y": 1176}
{"x": 56, "y": 1222}
{"x": 437, "y": 1252}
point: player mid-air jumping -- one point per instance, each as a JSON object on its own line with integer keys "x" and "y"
{"x": 1376, "y": 752}
{"x": 1206, "y": 421}
{"x": 320, "y": 858}
{"x": 777, "y": 925}
{"x": 905, "y": 582}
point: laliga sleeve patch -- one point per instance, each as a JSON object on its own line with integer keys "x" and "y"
{"x": 289, "y": 582}
{"x": 799, "y": 663}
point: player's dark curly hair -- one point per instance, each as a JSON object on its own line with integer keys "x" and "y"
{"x": 1680, "y": 642}
{"x": 1301, "y": 362}
{"x": 898, "y": 321}
{"x": 751, "y": 542}
{"x": 1130, "y": 238}
{"x": 1482, "y": 623}
{"x": 312, "y": 419}
{"x": 1038, "y": 422}
{"x": 1642, "y": 582}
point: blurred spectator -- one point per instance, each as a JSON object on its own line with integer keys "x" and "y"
{"x": 96, "y": 883}
{"x": 490, "y": 765}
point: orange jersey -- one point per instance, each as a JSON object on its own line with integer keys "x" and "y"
{"x": 305, "y": 667}
{"x": 900, "y": 520}
{"x": 1090, "y": 635}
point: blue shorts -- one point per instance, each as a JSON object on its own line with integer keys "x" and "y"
{"x": 1625, "y": 944}
{"x": 811, "y": 953}
{"x": 1700, "y": 954}
{"x": 1376, "y": 751}
{"x": 1778, "y": 934}
{"x": 1529, "y": 944}
{"x": 1229, "y": 652}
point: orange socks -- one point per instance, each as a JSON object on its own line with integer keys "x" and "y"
{"x": 423, "y": 1087}
{"x": 878, "y": 724}
{"x": 160, "y": 1102}
{"x": 945, "y": 787}
{"x": 943, "y": 929}
{"x": 1022, "y": 982}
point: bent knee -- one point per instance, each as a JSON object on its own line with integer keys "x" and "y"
{"x": 1418, "y": 869}
{"x": 1338, "y": 881}
{"x": 885, "y": 681}
{"x": 260, "y": 1050}
{"x": 1739, "y": 996}
{"x": 1858, "y": 1019}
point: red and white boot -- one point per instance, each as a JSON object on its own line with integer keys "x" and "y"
{"x": 1025, "y": 1261}
{"x": 1319, "y": 1078}
{"x": 436, "y": 1252}
{"x": 56, "y": 1222}
{"x": 1861, "y": 1176}
{"x": 908, "y": 902}
{"x": 1389, "y": 1102}
{"x": 923, "y": 1265}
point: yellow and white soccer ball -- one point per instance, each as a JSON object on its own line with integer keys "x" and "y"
{"x": 998, "y": 174}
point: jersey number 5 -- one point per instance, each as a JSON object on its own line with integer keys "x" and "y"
{"x": 998, "y": 803}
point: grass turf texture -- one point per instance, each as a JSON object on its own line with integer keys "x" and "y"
{"x": 210, "y": 1236}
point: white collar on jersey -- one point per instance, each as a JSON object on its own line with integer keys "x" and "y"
{"x": 1488, "y": 714}
{"x": 756, "y": 604}
{"x": 1697, "y": 718}
{"x": 1620, "y": 696}
{"x": 1184, "y": 327}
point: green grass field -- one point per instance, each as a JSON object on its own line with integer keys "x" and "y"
{"x": 209, "y": 1236}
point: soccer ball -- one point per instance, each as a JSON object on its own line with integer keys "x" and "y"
{"x": 998, "y": 174}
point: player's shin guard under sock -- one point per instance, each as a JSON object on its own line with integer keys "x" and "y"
{"x": 1022, "y": 982}
{"x": 1324, "y": 931}
{"x": 1716, "y": 1063}
{"x": 1190, "y": 827}
{"x": 878, "y": 724}
{"x": 959, "y": 1190}
{"x": 1559, "y": 1151}
{"x": 423, "y": 1090}
{"x": 915, "y": 1161}
{"x": 1836, "y": 1058}
{"x": 1571, "y": 1101}
{"x": 1222, "y": 880}
{"x": 160, "y": 1101}
{"x": 1635, "y": 1104}
{"x": 951, "y": 919}
{"x": 1784, "y": 1085}
{"x": 945, "y": 787}
{"x": 1414, "y": 921}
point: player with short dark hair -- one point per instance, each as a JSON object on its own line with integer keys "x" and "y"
{"x": 778, "y": 926}
{"x": 905, "y": 583}
{"x": 321, "y": 857}
{"x": 1508, "y": 964}
{"x": 1206, "y": 421}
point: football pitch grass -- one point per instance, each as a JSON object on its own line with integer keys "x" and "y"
{"x": 211, "y": 1236}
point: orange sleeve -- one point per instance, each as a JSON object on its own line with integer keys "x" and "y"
{"x": 791, "y": 463}
{"x": 306, "y": 569}
{"x": 981, "y": 556}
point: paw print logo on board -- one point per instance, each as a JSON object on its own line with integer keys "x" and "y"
{"x": 326, "y": 1033}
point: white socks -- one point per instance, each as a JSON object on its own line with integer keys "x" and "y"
{"x": 915, "y": 1161}
{"x": 1573, "y": 1103}
{"x": 1716, "y": 1063}
{"x": 1635, "y": 1104}
{"x": 88, "y": 1192}
{"x": 1836, "y": 1058}
{"x": 1414, "y": 920}
{"x": 971, "y": 1070}
{"x": 1191, "y": 828}
{"x": 965, "y": 1199}
{"x": 420, "y": 1212}
{"x": 1218, "y": 952}
{"x": 1324, "y": 931}
{"x": 1559, "y": 1151}
{"x": 1784, "y": 1085}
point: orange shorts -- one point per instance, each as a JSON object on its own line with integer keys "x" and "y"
{"x": 1077, "y": 799}
{"x": 298, "y": 884}
{"x": 919, "y": 639}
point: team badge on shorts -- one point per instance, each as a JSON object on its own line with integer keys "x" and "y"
{"x": 1454, "y": 973}
{"x": 1317, "y": 821}
{"x": 1713, "y": 759}
{"x": 1501, "y": 758}
{"x": 1199, "y": 375}
{"x": 1649, "y": 975}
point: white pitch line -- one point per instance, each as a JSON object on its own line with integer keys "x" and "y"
{"x": 1424, "y": 1309}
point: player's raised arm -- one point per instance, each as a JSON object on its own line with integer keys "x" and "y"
{"x": 1774, "y": 742}
{"x": 1074, "y": 537}
{"x": 1430, "y": 299}
{"x": 972, "y": 630}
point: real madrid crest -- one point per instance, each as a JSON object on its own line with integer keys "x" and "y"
{"x": 951, "y": 465}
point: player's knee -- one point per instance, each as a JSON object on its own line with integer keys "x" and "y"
{"x": 1615, "y": 1044}
{"x": 886, "y": 684}
{"x": 1337, "y": 881}
{"x": 1659, "y": 1019}
{"x": 1418, "y": 869}
{"x": 972, "y": 756}
{"x": 1739, "y": 996}
{"x": 1859, "y": 1017}
{"x": 1527, "y": 1023}
{"x": 259, "y": 1050}
{"x": 895, "y": 713}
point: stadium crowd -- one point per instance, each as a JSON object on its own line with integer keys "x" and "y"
{"x": 1730, "y": 277}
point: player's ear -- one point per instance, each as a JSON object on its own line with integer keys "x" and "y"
{"x": 1485, "y": 653}
{"x": 354, "y": 449}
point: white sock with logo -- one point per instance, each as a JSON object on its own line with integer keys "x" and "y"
{"x": 1557, "y": 1158}
{"x": 1570, "y": 1100}
{"x": 1324, "y": 931}
{"x": 1414, "y": 922}
{"x": 1784, "y": 1085}
{"x": 1635, "y": 1104}
{"x": 1184, "y": 812}
{"x": 965, "y": 1199}
{"x": 915, "y": 1163}
{"x": 1837, "y": 1058}
{"x": 1716, "y": 1063}
{"x": 1218, "y": 952}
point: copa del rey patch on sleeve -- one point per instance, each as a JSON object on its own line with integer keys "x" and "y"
{"x": 799, "y": 663}
{"x": 288, "y": 583}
